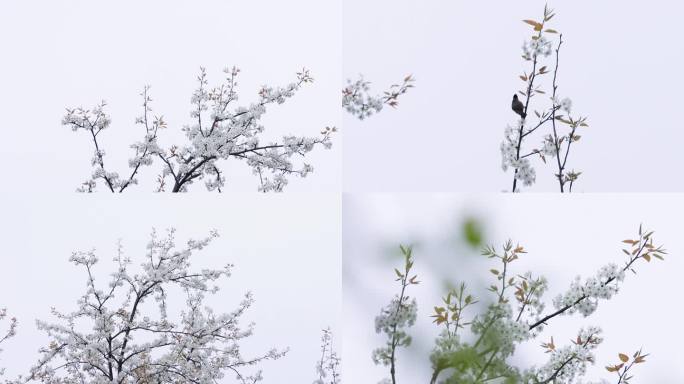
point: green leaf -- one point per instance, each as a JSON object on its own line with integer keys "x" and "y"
{"x": 473, "y": 233}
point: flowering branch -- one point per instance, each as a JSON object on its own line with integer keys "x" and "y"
{"x": 329, "y": 366}
{"x": 217, "y": 134}
{"x": 567, "y": 363}
{"x": 10, "y": 332}
{"x": 584, "y": 297}
{"x": 357, "y": 100}
{"x": 553, "y": 144}
{"x": 395, "y": 317}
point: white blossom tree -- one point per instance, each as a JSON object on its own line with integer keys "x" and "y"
{"x": 11, "y": 331}
{"x": 328, "y": 367}
{"x": 123, "y": 332}
{"x": 360, "y": 103}
{"x": 516, "y": 314}
{"x": 557, "y": 141}
{"x": 220, "y": 131}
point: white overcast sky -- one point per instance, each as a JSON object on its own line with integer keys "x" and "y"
{"x": 70, "y": 53}
{"x": 621, "y": 65}
{"x": 563, "y": 237}
{"x": 286, "y": 250}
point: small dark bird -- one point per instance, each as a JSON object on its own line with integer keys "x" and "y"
{"x": 518, "y": 107}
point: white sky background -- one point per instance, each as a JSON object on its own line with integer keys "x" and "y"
{"x": 620, "y": 64}
{"x": 286, "y": 250}
{"x": 60, "y": 54}
{"x": 563, "y": 237}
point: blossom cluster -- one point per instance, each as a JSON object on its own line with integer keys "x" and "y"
{"x": 548, "y": 148}
{"x": 583, "y": 297}
{"x": 565, "y": 103}
{"x": 396, "y": 315}
{"x": 500, "y": 324}
{"x": 536, "y": 47}
{"x": 357, "y": 100}
{"x": 218, "y": 133}
{"x": 392, "y": 321}
{"x": 445, "y": 344}
{"x": 567, "y": 363}
{"x": 511, "y": 332}
{"x": 510, "y": 155}
{"x": 529, "y": 294}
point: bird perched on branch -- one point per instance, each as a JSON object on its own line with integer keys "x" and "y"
{"x": 518, "y": 107}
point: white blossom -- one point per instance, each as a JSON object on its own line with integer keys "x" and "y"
{"x": 509, "y": 155}
{"x": 566, "y": 104}
{"x": 526, "y": 174}
{"x": 583, "y": 297}
{"x": 567, "y": 363}
{"x": 357, "y": 100}
{"x": 548, "y": 146}
{"x": 393, "y": 321}
{"x": 537, "y": 47}
{"x": 499, "y": 321}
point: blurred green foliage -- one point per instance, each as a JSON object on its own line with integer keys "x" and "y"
{"x": 472, "y": 232}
